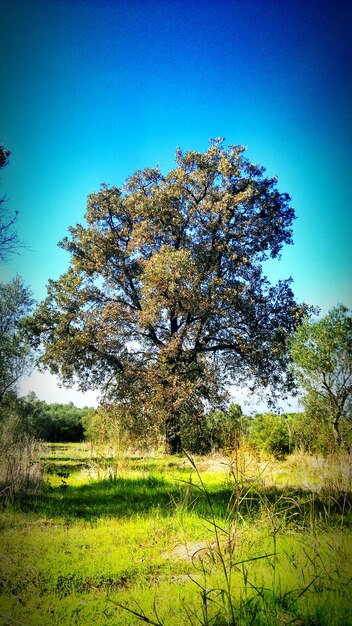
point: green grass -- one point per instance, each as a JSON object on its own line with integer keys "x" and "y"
{"x": 259, "y": 542}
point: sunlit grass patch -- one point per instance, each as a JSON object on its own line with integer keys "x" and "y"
{"x": 164, "y": 530}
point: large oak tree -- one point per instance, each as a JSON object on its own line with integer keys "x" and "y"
{"x": 165, "y": 300}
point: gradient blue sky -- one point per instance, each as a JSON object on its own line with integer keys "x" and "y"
{"x": 93, "y": 90}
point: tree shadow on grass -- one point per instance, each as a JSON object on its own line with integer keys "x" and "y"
{"x": 120, "y": 497}
{"x": 142, "y": 496}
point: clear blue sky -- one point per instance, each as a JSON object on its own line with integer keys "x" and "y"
{"x": 93, "y": 90}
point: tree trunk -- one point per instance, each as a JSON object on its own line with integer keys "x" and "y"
{"x": 173, "y": 435}
{"x": 336, "y": 430}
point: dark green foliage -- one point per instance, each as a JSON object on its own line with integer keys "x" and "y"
{"x": 59, "y": 422}
{"x": 283, "y": 434}
{"x": 200, "y": 433}
{"x": 47, "y": 422}
{"x": 308, "y": 431}
{"x": 107, "y": 425}
{"x": 220, "y": 430}
{"x": 195, "y": 434}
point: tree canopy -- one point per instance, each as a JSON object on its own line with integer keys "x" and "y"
{"x": 322, "y": 355}
{"x": 165, "y": 300}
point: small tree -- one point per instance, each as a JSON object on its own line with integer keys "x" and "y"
{"x": 15, "y": 353}
{"x": 322, "y": 355}
{"x": 165, "y": 300}
{"x": 311, "y": 430}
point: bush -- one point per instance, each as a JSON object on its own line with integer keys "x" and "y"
{"x": 102, "y": 425}
{"x": 270, "y": 433}
{"x": 61, "y": 422}
{"x": 309, "y": 431}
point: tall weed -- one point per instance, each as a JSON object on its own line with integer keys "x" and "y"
{"x": 20, "y": 466}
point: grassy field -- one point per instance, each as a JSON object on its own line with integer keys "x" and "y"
{"x": 179, "y": 541}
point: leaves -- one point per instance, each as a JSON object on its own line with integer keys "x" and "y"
{"x": 165, "y": 300}
{"x": 322, "y": 355}
{"x": 15, "y": 360}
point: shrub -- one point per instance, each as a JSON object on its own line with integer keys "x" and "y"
{"x": 270, "y": 433}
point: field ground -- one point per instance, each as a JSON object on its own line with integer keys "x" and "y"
{"x": 243, "y": 542}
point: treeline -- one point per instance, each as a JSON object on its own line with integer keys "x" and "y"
{"x": 271, "y": 433}
{"x": 275, "y": 434}
{"x": 43, "y": 421}
{"x": 216, "y": 431}
{"x": 224, "y": 431}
